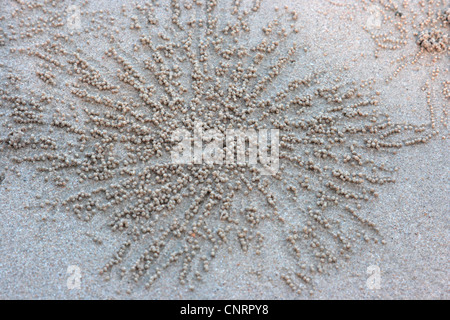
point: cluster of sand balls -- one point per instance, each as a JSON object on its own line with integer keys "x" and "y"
{"x": 100, "y": 128}
{"x": 446, "y": 16}
{"x": 417, "y": 34}
{"x": 434, "y": 41}
{"x": 427, "y": 20}
{"x": 425, "y": 23}
{"x": 414, "y": 35}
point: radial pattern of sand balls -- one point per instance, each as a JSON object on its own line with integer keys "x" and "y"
{"x": 424, "y": 25}
{"x": 96, "y": 116}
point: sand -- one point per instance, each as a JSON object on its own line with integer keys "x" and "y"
{"x": 37, "y": 245}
